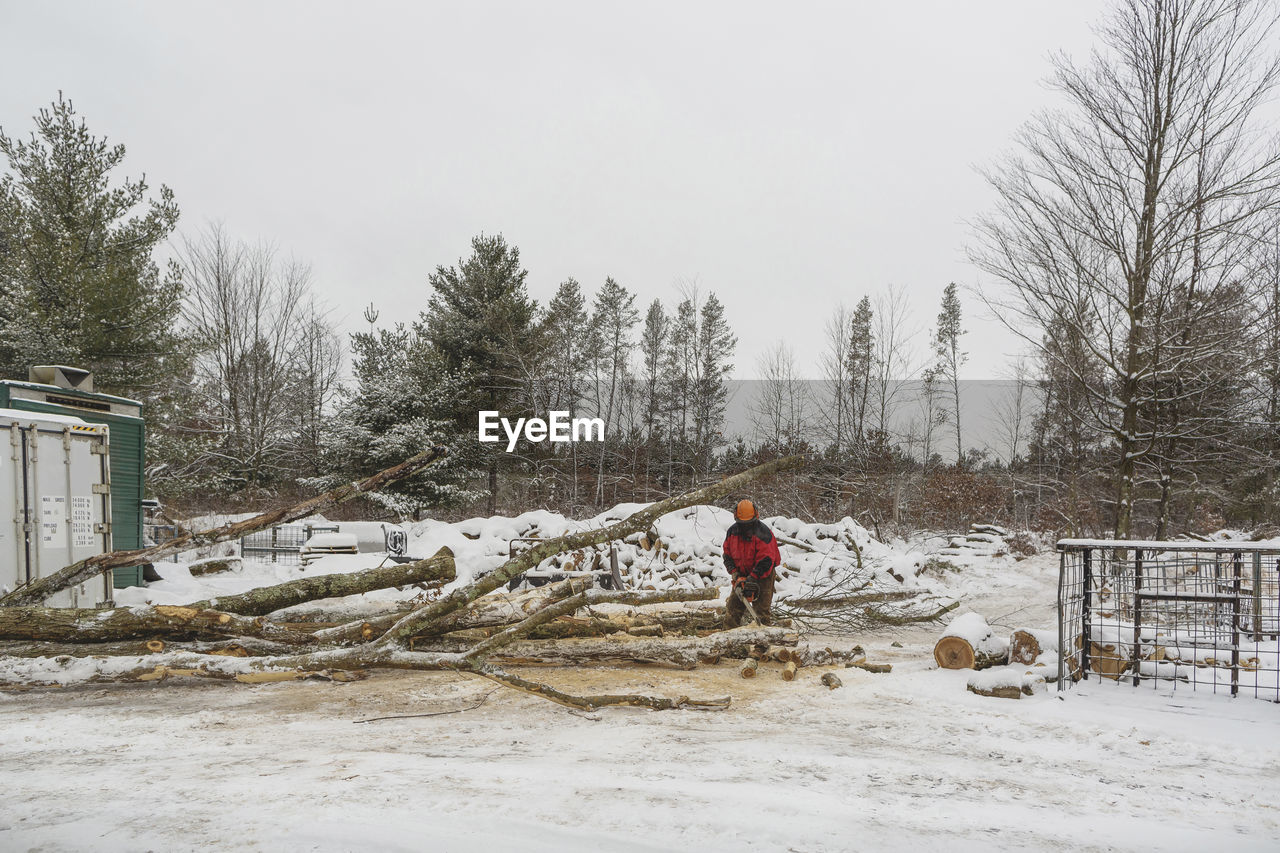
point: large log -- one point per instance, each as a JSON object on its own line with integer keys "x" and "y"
{"x": 37, "y": 591}
{"x": 438, "y": 568}
{"x": 679, "y": 652}
{"x": 238, "y": 647}
{"x": 959, "y": 653}
{"x": 969, "y": 643}
{"x": 87, "y": 625}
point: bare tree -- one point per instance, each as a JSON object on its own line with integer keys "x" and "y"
{"x": 779, "y": 409}
{"x": 834, "y": 364}
{"x": 1155, "y": 159}
{"x": 252, "y": 318}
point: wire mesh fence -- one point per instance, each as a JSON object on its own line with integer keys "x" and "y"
{"x": 1202, "y": 615}
{"x": 282, "y": 543}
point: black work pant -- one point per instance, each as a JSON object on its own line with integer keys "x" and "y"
{"x": 735, "y": 613}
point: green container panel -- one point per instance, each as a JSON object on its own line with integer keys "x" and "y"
{"x": 131, "y": 576}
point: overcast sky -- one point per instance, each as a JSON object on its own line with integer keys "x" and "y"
{"x": 785, "y": 156}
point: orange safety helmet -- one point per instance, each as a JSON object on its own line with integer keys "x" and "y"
{"x": 745, "y": 511}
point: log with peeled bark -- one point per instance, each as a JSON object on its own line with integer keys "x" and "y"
{"x": 681, "y": 622}
{"x": 436, "y": 569}
{"x": 789, "y": 670}
{"x": 678, "y": 652}
{"x": 67, "y": 624}
{"x": 870, "y": 667}
{"x": 37, "y": 591}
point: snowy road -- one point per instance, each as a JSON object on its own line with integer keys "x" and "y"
{"x": 906, "y": 761}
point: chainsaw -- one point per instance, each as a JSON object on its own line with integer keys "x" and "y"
{"x": 747, "y": 604}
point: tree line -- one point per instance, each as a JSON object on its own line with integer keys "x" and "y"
{"x": 1134, "y": 246}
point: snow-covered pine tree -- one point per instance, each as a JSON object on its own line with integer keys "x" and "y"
{"x": 714, "y": 353}
{"x": 402, "y": 401}
{"x": 948, "y": 358}
{"x": 480, "y": 322}
{"x": 79, "y": 282}
{"x": 653, "y": 342}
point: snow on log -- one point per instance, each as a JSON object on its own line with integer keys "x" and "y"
{"x": 214, "y": 566}
{"x": 1006, "y": 682}
{"x": 1026, "y": 645}
{"x": 969, "y": 643}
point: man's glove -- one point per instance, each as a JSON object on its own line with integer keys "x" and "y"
{"x": 750, "y": 589}
{"x": 763, "y": 568}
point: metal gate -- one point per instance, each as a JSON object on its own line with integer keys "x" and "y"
{"x": 1205, "y": 615}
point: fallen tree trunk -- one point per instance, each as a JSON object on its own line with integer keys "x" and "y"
{"x": 438, "y": 568}
{"x": 37, "y": 591}
{"x": 680, "y": 652}
{"x": 238, "y": 647}
{"x": 636, "y": 522}
{"x": 685, "y": 622}
{"x": 67, "y": 624}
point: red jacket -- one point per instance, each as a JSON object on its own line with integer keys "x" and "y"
{"x": 751, "y": 550}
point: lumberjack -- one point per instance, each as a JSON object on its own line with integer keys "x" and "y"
{"x": 751, "y": 555}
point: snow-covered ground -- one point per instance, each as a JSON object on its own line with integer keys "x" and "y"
{"x": 903, "y": 761}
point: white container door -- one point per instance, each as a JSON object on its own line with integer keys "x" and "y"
{"x": 67, "y": 510}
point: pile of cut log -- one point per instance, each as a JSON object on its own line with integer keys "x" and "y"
{"x": 982, "y": 540}
{"x": 793, "y": 657}
{"x": 472, "y": 629}
{"x": 1027, "y": 658}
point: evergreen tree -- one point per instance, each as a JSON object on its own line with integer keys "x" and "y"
{"x": 613, "y": 317}
{"x": 679, "y": 383}
{"x": 949, "y": 358}
{"x": 479, "y": 323}
{"x": 79, "y": 283}
{"x": 653, "y": 342}
{"x": 715, "y": 346}
{"x": 861, "y": 357}
{"x": 402, "y": 401}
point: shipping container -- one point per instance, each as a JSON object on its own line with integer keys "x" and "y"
{"x": 61, "y": 390}
{"x": 55, "y": 502}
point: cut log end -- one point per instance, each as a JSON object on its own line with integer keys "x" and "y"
{"x": 954, "y": 653}
{"x": 749, "y": 668}
{"x": 789, "y": 671}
